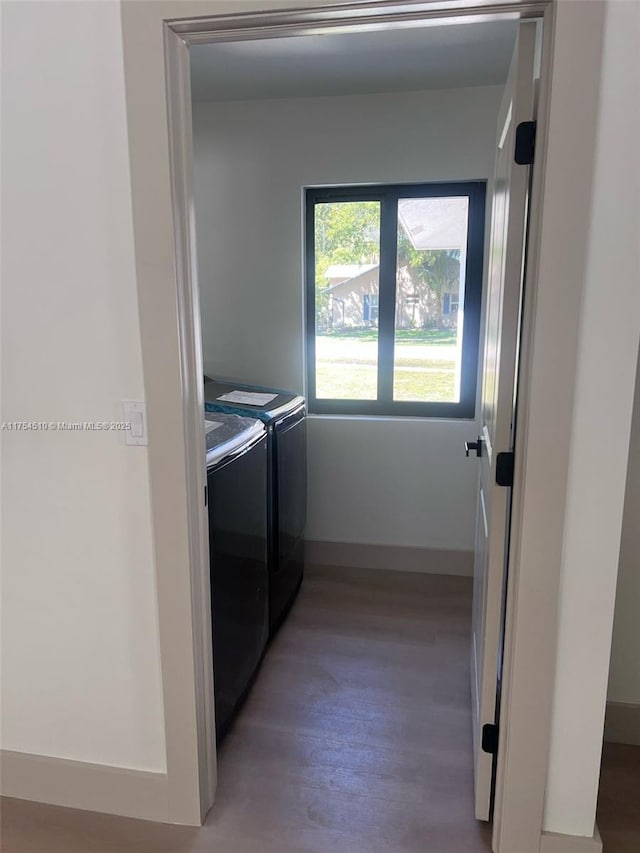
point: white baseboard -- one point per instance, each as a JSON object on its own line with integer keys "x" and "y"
{"x": 431, "y": 561}
{"x": 82, "y": 785}
{"x": 622, "y": 723}
{"x": 554, "y": 842}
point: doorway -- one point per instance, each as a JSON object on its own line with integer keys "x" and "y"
{"x": 170, "y": 396}
{"x": 254, "y": 159}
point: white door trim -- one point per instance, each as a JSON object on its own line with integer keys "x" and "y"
{"x": 545, "y": 409}
{"x": 172, "y": 362}
{"x": 181, "y": 160}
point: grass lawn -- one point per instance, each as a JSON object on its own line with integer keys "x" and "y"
{"x": 346, "y": 367}
{"x": 408, "y": 336}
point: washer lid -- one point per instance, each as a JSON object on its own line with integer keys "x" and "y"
{"x": 279, "y": 404}
{"x": 227, "y": 434}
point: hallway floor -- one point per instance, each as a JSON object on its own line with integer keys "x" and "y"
{"x": 356, "y": 737}
{"x": 619, "y": 798}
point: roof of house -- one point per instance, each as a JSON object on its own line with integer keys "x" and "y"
{"x": 344, "y": 272}
{"x": 351, "y": 273}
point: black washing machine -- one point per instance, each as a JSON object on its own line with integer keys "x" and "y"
{"x": 284, "y": 415}
{"x": 237, "y": 458}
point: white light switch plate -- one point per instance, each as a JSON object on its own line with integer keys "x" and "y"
{"x": 135, "y": 413}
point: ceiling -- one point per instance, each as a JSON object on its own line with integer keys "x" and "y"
{"x": 473, "y": 54}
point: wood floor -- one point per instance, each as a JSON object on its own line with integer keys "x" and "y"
{"x": 619, "y": 798}
{"x": 356, "y": 737}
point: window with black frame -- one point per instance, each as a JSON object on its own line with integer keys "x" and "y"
{"x": 394, "y": 292}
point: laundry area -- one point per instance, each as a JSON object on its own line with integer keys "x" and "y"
{"x": 343, "y": 189}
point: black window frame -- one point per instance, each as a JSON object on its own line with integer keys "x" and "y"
{"x": 388, "y": 196}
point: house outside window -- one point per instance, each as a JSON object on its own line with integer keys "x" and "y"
{"x": 393, "y": 294}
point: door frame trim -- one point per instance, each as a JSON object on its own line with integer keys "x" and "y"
{"x": 173, "y": 365}
{"x": 540, "y": 476}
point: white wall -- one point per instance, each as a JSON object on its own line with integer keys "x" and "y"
{"x": 624, "y": 675}
{"x": 601, "y": 428}
{"x": 80, "y": 661}
{"x": 380, "y": 481}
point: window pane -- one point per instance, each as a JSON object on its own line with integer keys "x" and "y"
{"x": 347, "y": 259}
{"x": 432, "y": 240}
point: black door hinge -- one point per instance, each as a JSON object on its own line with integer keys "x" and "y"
{"x": 525, "y": 143}
{"x": 206, "y": 496}
{"x": 504, "y": 468}
{"x": 490, "y": 738}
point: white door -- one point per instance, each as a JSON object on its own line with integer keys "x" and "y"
{"x": 508, "y": 225}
